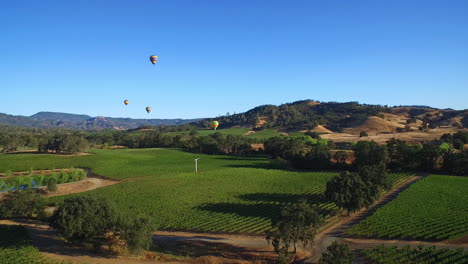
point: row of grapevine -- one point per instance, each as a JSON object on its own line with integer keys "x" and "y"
{"x": 435, "y": 209}
{"x": 419, "y": 255}
{"x": 33, "y": 181}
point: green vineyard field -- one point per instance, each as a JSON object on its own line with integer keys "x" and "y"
{"x": 228, "y": 195}
{"x": 435, "y": 208}
{"x": 419, "y": 255}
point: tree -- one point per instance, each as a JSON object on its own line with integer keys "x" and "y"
{"x": 24, "y": 203}
{"x": 456, "y": 162}
{"x": 312, "y": 134}
{"x": 376, "y": 177}
{"x": 340, "y": 157}
{"x": 350, "y": 192}
{"x": 89, "y": 220}
{"x": 458, "y": 144}
{"x": 369, "y": 153}
{"x": 297, "y": 222}
{"x": 337, "y": 253}
{"x": 137, "y": 233}
{"x": 85, "y": 220}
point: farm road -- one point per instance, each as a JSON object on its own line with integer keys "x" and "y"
{"x": 52, "y": 246}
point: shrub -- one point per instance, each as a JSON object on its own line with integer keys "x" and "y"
{"x": 24, "y": 203}
{"x": 337, "y": 253}
{"x": 52, "y": 184}
{"x": 137, "y": 233}
{"x": 363, "y": 134}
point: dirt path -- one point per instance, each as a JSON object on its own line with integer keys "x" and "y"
{"x": 357, "y": 243}
{"x": 254, "y": 242}
{"x": 87, "y": 184}
{"x": 52, "y": 246}
{"x": 336, "y": 231}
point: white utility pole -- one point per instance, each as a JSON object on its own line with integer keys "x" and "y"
{"x": 196, "y": 164}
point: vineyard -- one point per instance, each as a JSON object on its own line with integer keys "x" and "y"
{"x": 16, "y": 247}
{"x": 435, "y": 208}
{"x": 228, "y": 195}
{"x": 419, "y": 255}
{"x": 38, "y": 178}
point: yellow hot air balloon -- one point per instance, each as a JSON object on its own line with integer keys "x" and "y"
{"x": 126, "y": 102}
{"x": 214, "y": 124}
{"x": 148, "y": 109}
{"x": 153, "y": 59}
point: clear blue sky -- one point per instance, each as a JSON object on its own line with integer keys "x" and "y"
{"x": 229, "y": 56}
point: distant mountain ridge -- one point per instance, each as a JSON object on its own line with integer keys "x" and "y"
{"x": 77, "y": 121}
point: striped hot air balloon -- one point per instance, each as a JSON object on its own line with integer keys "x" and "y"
{"x": 214, "y": 124}
{"x": 148, "y": 109}
{"x": 126, "y": 102}
{"x": 153, "y": 59}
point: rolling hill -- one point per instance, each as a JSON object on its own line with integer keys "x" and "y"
{"x": 296, "y": 116}
{"x": 54, "y": 120}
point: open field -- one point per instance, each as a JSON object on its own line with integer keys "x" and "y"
{"x": 229, "y": 194}
{"x": 435, "y": 208}
{"x": 419, "y": 255}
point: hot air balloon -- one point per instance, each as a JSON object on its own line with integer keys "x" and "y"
{"x": 214, "y": 124}
{"x": 153, "y": 59}
{"x": 148, "y": 109}
{"x": 126, "y": 102}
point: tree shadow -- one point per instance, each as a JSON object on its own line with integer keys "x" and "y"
{"x": 264, "y": 210}
{"x": 267, "y": 205}
{"x": 284, "y": 197}
{"x": 194, "y": 247}
{"x": 258, "y": 165}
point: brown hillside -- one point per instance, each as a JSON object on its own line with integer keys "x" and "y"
{"x": 375, "y": 124}
{"x": 322, "y": 129}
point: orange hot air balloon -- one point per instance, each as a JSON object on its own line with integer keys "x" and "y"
{"x": 214, "y": 124}
{"x": 153, "y": 59}
{"x": 126, "y": 102}
{"x": 148, "y": 109}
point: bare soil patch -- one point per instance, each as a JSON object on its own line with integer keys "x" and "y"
{"x": 257, "y": 147}
{"x": 88, "y": 184}
{"x": 320, "y": 129}
{"x": 411, "y": 137}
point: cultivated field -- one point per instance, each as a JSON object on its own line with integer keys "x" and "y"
{"x": 435, "y": 208}
{"x": 228, "y": 195}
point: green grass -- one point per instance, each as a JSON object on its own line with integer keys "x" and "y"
{"x": 229, "y": 194}
{"x": 16, "y": 247}
{"x": 419, "y": 255}
{"x": 435, "y": 208}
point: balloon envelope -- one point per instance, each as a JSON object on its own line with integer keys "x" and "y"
{"x": 126, "y": 102}
{"x": 214, "y": 124}
{"x": 153, "y": 59}
{"x": 148, "y": 109}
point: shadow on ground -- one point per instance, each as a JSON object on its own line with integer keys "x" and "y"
{"x": 194, "y": 247}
